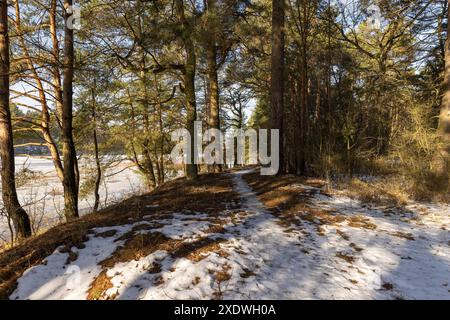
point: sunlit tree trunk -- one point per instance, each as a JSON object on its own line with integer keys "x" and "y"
{"x": 18, "y": 215}
{"x": 55, "y": 53}
{"x": 69, "y": 154}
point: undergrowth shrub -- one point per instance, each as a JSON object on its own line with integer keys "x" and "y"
{"x": 380, "y": 193}
{"x": 417, "y": 147}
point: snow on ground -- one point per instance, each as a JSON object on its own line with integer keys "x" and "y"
{"x": 43, "y": 196}
{"x": 369, "y": 253}
{"x": 54, "y": 279}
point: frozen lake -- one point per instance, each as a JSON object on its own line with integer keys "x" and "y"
{"x": 41, "y": 192}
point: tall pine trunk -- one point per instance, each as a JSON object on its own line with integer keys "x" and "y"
{"x": 277, "y": 73}
{"x": 304, "y": 80}
{"x": 161, "y": 135}
{"x": 69, "y": 155}
{"x": 213, "y": 94}
{"x": 213, "y": 81}
{"x": 189, "y": 85}
{"x": 191, "y": 105}
{"x": 19, "y": 217}
{"x": 146, "y": 143}
{"x": 56, "y": 72}
{"x": 444, "y": 118}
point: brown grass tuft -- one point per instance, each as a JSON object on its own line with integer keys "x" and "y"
{"x": 99, "y": 286}
{"x": 343, "y": 256}
{"x": 399, "y": 234}
{"x": 136, "y": 247}
{"x": 360, "y": 221}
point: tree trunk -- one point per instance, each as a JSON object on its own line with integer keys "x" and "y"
{"x": 213, "y": 81}
{"x": 98, "y": 178}
{"x": 69, "y": 154}
{"x": 189, "y": 86}
{"x": 301, "y": 165}
{"x": 98, "y": 166}
{"x": 213, "y": 92}
{"x": 444, "y": 118}
{"x": 19, "y": 217}
{"x": 277, "y": 73}
{"x": 329, "y": 119}
{"x": 191, "y": 106}
{"x": 161, "y": 136}
{"x": 146, "y": 145}
{"x": 148, "y": 166}
{"x": 56, "y": 70}
{"x": 304, "y": 92}
{"x": 143, "y": 166}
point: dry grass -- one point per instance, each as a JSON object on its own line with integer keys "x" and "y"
{"x": 403, "y": 235}
{"x": 141, "y": 245}
{"x": 382, "y": 193}
{"x": 346, "y": 257}
{"x": 221, "y": 277}
{"x": 321, "y": 217}
{"x": 136, "y": 247}
{"x": 224, "y": 274}
{"x": 428, "y": 185}
{"x": 99, "y": 286}
{"x": 287, "y": 200}
{"x": 203, "y": 250}
{"x": 359, "y": 221}
{"x": 279, "y": 193}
